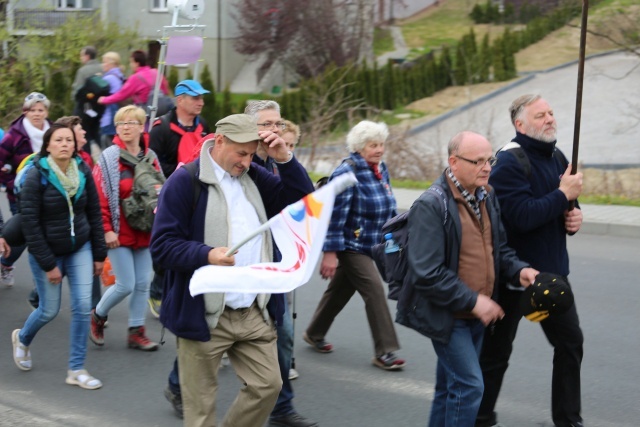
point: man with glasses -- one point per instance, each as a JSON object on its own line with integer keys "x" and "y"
{"x": 458, "y": 254}
{"x": 537, "y": 220}
{"x": 175, "y": 139}
{"x": 267, "y": 116}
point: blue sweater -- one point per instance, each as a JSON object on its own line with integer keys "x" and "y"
{"x": 533, "y": 207}
{"x": 178, "y": 235}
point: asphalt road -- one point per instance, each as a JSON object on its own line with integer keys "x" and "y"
{"x": 340, "y": 389}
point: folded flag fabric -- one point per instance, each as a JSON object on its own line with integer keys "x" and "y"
{"x": 299, "y": 231}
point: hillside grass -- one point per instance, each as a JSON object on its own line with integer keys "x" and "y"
{"x": 448, "y": 21}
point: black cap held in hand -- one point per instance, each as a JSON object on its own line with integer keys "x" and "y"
{"x": 549, "y": 294}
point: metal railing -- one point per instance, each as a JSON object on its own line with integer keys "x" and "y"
{"x": 42, "y": 21}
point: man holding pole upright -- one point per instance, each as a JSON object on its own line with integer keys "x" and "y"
{"x": 235, "y": 198}
{"x": 537, "y": 217}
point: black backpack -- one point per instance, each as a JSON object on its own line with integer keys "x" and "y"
{"x": 393, "y": 266}
{"x": 94, "y": 87}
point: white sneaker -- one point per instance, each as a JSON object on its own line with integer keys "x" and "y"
{"x": 225, "y": 359}
{"x": 293, "y": 374}
{"x": 6, "y": 276}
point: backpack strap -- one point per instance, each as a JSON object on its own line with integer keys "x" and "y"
{"x": 194, "y": 172}
{"x": 522, "y": 158}
{"x": 444, "y": 203}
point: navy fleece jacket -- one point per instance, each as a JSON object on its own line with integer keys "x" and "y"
{"x": 533, "y": 207}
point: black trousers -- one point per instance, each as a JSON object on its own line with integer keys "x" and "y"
{"x": 563, "y": 333}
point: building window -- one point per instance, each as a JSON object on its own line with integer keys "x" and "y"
{"x": 70, "y": 4}
{"x": 158, "y": 5}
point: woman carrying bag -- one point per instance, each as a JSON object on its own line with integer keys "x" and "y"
{"x": 128, "y": 245}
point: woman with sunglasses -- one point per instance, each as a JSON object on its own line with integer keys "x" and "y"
{"x": 23, "y": 138}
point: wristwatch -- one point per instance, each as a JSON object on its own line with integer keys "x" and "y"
{"x": 286, "y": 161}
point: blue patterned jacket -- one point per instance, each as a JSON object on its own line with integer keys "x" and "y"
{"x": 360, "y": 211}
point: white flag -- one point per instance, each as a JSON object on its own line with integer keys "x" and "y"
{"x": 299, "y": 231}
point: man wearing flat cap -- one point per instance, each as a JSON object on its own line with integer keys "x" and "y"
{"x": 175, "y": 138}
{"x": 196, "y": 228}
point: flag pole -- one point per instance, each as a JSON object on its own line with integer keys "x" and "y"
{"x": 264, "y": 227}
{"x": 578, "y": 116}
{"x": 340, "y": 184}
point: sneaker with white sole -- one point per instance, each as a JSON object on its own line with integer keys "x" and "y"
{"x": 6, "y": 276}
{"x": 293, "y": 374}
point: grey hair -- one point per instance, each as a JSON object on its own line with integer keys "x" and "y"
{"x": 364, "y": 132}
{"x": 35, "y": 97}
{"x": 254, "y": 107}
{"x": 517, "y": 106}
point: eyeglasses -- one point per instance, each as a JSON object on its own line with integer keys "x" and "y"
{"x": 129, "y": 123}
{"x": 491, "y": 160}
{"x": 270, "y": 125}
{"x": 35, "y": 95}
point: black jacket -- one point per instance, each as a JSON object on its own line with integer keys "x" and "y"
{"x": 533, "y": 206}
{"x": 46, "y": 220}
{"x": 164, "y": 140}
{"x": 432, "y": 290}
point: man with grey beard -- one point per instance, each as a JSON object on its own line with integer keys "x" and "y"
{"x": 537, "y": 219}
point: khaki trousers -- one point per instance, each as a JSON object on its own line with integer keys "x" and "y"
{"x": 251, "y": 345}
{"x": 356, "y": 272}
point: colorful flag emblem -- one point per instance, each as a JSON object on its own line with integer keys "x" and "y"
{"x": 299, "y": 231}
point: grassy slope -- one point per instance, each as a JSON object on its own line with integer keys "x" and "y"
{"x": 448, "y": 21}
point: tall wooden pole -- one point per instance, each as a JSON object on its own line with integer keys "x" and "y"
{"x": 576, "y": 128}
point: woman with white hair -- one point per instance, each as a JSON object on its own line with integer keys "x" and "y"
{"x": 23, "y": 138}
{"x": 358, "y": 215}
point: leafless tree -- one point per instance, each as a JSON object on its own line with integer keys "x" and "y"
{"x": 307, "y": 36}
{"x": 326, "y": 102}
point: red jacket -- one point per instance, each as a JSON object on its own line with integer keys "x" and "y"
{"x": 134, "y": 239}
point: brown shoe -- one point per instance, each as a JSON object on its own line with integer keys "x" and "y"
{"x": 96, "y": 331}
{"x": 137, "y": 339}
{"x": 321, "y": 346}
{"x": 389, "y": 362}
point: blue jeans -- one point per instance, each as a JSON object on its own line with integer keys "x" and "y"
{"x": 285, "y": 352}
{"x": 459, "y": 385}
{"x": 16, "y": 251}
{"x": 132, "y": 268}
{"x": 78, "y": 267}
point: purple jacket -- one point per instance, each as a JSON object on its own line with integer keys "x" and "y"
{"x": 115, "y": 78}
{"x": 15, "y": 146}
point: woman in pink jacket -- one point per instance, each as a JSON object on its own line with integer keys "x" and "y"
{"x": 139, "y": 85}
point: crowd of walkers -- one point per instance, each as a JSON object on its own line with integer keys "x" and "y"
{"x": 70, "y": 184}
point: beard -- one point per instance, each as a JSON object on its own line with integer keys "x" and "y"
{"x": 549, "y": 135}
